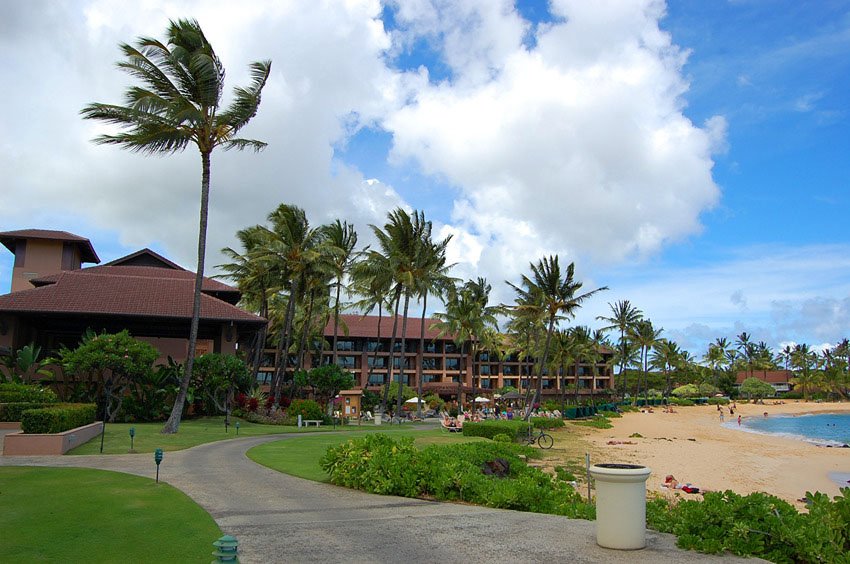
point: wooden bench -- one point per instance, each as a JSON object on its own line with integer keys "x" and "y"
{"x": 308, "y": 422}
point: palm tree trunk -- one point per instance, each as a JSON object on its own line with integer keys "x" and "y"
{"x": 173, "y": 424}
{"x": 389, "y": 376}
{"x": 336, "y": 320}
{"x": 284, "y": 342}
{"x": 421, "y": 356}
{"x": 377, "y": 344}
{"x": 261, "y": 337}
{"x": 462, "y": 374}
{"x": 305, "y": 331}
{"x": 400, "y": 398}
{"x": 623, "y": 359}
{"x": 539, "y": 393}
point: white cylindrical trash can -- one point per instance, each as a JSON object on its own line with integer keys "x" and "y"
{"x": 379, "y": 416}
{"x": 620, "y": 505}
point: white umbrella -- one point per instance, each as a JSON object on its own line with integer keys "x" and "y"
{"x": 481, "y": 399}
{"x": 415, "y": 400}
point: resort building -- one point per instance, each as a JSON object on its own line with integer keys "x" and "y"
{"x": 779, "y": 379}
{"x": 363, "y": 349}
{"x": 54, "y": 300}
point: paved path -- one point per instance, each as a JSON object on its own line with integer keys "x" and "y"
{"x": 280, "y": 518}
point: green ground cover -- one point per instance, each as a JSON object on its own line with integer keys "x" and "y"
{"x": 192, "y": 432}
{"x": 300, "y": 456}
{"x": 83, "y": 515}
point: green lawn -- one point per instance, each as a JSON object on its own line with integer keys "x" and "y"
{"x": 192, "y": 432}
{"x": 83, "y": 515}
{"x": 299, "y": 456}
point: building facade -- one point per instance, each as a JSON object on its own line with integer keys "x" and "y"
{"x": 363, "y": 348}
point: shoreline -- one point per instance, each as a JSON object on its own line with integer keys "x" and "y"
{"x": 694, "y": 446}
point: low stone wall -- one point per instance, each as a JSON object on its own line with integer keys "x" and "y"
{"x": 21, "y": 444}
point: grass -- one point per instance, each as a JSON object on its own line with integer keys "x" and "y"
{"x": 83, "y": 515}
{"x": 300, "y": 456}
{"x": 192, "y": 432}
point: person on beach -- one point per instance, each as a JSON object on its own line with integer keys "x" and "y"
{"x": 739, "y": 421}
{"x": 673, "y": 484}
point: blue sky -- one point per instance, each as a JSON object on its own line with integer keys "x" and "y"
{"x": 692, "y": 156}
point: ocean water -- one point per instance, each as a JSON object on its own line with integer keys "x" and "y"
{"x": 832, "y": 429}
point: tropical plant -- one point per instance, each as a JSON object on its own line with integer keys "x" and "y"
{"x": 25, "y": 365}
{"x": 340, "y": 239}
{"x": 175, "y": 106}
{"x": 753, "y": 387}
{"x": 326, "y": 381}
{"x": 623, "y": 317}
{"x": 116, "y": 360}
{"x": 219, "y": 377}
{"x": 645, "y": 336}
{"x": 555, "y": 293}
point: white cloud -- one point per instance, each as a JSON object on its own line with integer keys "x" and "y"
{"x": 578, "y": 145}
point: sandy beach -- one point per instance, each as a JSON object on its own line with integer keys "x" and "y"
{"x": 693, "y": 445}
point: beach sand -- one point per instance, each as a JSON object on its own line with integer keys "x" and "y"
{"x": 693, "y": 445}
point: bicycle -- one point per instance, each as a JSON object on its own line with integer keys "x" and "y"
{"x": 542, "y": 439}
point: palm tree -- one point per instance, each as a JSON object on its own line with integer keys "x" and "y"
{"x": 555, "y": 294}
{"x": 372, "y": 279}
{"x": 341, "y": 239}
{"x": 717, "y": 356}
{"x": 467, "y": 319}
{"x": 623, "y": 317}
{"x": 666, "y": 355}
{"x": 253, "y": 280}
{"x": 747, "y": 350}
{"x": 292, "y": 250}
{"x": 645, "y": 336}
{"x": 176, "y": 106}
{"x": 433, "y": 278}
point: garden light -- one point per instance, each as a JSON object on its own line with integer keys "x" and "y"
{"x": 157, "y": 457}
{"x": 132, "y": 435}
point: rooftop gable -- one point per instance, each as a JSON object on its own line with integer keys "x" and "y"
{"x": 87, "y": 254}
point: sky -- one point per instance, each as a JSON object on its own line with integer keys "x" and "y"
{"x": 693, "y": 157}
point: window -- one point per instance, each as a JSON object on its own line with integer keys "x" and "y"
{"x": 431, "y": 347}
{"x": 345, "y": 345}
{"x": 509, "y": 370}
{"x": 373, "y": 346}
{"x": 376, "y": 379}
{"x": 485, "y": 383}
{"x": 452, "y": 364}
{"x": 430, "y": 378}
{"x": 380, "y": 362}
{"x": 484, "y": 357}
{"x": 484, "y": 370}
{"x": 431, "y": 364}
{"x": 345, "y": 361}
{"x": 451, "y": 348}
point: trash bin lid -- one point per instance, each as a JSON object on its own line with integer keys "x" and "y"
{"x": 621, "y": 466}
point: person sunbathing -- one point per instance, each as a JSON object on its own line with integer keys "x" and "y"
{"x": 673, "y": 484}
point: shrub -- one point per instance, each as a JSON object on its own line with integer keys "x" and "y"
{"x": 58, "y": 418}
{"x": 15, "y": 393}
{"x": 718, "y": 401}
{"x": 13, "y": 411}
{"x": 681, "y": 402}
{"x": 490, "y": 429}
{"x": 686, "y": 391}
{"x": 379, "y": 464}
{"x": 546, "y": 423}
{"x": 308, "y": 409}
{"x": 502, "y": 438}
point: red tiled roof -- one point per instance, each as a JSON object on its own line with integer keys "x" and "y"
{"x": 86, "y": 250}
{"x": 81, "y": 292}
{"x": 771, "y": 376}
{"x": 209, "y": 285}
{"x": 367, "y": 326}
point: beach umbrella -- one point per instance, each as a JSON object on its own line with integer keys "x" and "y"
{"x": 481, "y": 399}
{"x": 415, "y": 399}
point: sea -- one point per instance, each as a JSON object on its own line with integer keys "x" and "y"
{"x": 828, "y": 429}
{"x": 822, "y": 429}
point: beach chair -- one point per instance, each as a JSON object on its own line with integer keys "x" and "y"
{"x": 368, "y": 416}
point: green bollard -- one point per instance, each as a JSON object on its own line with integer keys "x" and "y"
{"x": 157, "y": 457}
{"x": 226, "y": 550}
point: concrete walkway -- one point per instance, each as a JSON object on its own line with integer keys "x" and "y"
{"x": 280, "y": 518}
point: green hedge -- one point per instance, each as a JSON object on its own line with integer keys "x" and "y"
{"x": 13, "y": 411}
{"x": 25, "y": 393}
{"x": 546, "y": 422}
{"x": 58, "y": 418}
{"x": 718, "y": 401}
{"x": 379, "y": 464}
{"x": 681, "y": 402}
{"x": 489, "y": 429}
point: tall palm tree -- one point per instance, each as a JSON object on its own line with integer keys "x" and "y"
{"x": 550, "y": 290}
{"x": 717, "y": 356}
{"x": 747, "y": 350}
{"x": 433, "y": 278}
{"x": 645, "y": 336}
{"x": 372, "y": 279}
{"x": 341, "y": 239}
{"x": 253, "y": 280}
{"x": 623, "y": 317}
{"x": 293, "y": 249}
{"x": 667, "y": 356}
{"x": 175, "y": 106}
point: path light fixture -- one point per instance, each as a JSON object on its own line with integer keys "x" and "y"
{"x": 132, "y": 436}
{"x": 237, "y": 427}
{"x": 157, "y": 457}
{"x": 226, "y": 549}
